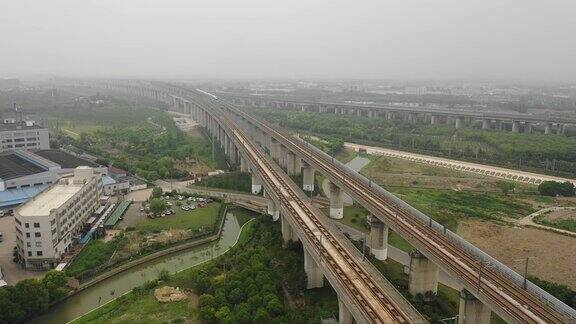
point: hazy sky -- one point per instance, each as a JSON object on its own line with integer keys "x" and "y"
{"x": 400, "y": 39}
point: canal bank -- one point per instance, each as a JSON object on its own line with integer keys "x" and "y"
{"x": 113, "y": 287}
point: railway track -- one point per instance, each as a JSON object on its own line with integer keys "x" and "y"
{"x": 511, "y": 298}
{"x": 493, "y": 285}
{"x": 371, "y": 299}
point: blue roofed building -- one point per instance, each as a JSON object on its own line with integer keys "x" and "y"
{"x": 24, "y": 174}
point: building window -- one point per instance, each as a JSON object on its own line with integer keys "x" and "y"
{"x": 39, "y": 253}
{"x": 29, "y": 253}
{"x": 37, "y": 234}
{"x": 27, "y": 225}
{"x": 38, "y": 244}
{"x": 28, "y": 244}
{"x": 36, "y": 225}
{"x": 27, "y": 234}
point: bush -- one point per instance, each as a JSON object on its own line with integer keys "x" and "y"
{"x": 156, "y": 192}
{"x": 554, "y": 188}
{"x": 157, "y": 205}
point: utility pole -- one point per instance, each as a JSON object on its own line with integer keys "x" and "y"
{"x": 526, "y": 260}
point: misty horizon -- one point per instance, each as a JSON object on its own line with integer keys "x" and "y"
{"x": 401, "y": 40}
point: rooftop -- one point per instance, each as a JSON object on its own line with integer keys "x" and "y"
{"x": 50, "y": 199}
{"x": 18, "y": 126}
{"x": 65, "y": 160}
{"x": 12, "y": 166}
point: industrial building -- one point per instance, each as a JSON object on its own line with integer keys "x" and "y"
{"x": 50, "y": 223}
{"x": 23, "y": 135}
{"x": 24, "y": 174}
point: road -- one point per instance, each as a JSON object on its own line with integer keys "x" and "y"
{"x": 529, "y": 220}
{"x": 12, "y": 271}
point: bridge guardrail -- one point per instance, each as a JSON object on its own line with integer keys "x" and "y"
{"x": 486, "y": 259}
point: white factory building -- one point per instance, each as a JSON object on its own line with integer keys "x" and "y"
{"x": 48, "y": 224}
{"x": 23, "y": 135}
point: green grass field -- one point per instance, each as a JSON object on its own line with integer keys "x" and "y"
{"x": 447, "y": 206}
{"x": 355, "y": 217}
{"x": 94, "y": 254}
{"x": 139, "y": 309}
{"x": 193, "y": 220}
{"x": 564, "y": 224}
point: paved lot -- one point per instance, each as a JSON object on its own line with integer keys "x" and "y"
{"x": 12, "y": 271}
{"x": 132, "y": 216}
{"x": 139, "y": 195}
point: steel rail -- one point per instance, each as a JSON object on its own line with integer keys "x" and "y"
{"x": 465, "y": 264}
{"x": 387, "y": 312}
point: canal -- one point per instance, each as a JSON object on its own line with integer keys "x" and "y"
{"x": 114, "y": 287}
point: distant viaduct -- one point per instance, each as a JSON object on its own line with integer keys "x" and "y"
{"x": 515, "y": 122}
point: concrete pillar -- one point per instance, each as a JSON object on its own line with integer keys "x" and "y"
{"x": 560, "y": 129}
{"x": 423, "y": 275}
{"x": 275, "y": 150}
{"x": 243, "y": 166}
{"x": 226, "y": 144}
{"x": 412, "y": 118}
{"x": 378, "y": 238}
{"x": 370, "y": 113}
{"x": 286, "y": 229}
{"x": 459, "y": 122}
{"x": 283, "y": 158}
{"x": 433, "y": 119}
{"x": 515, "y": 126}
{"x": 336, "y": 201}
{"x": 233, "y": 153}
{"x": 272, "y": 207}
{"x": 471, "y": 310}
{"x": 389, "y": 115}
{"x": 291, "y": 163}
{"x": 314, "y": 276}
{"x": 344, "y": 314}
{"x": 256, "y": 184}
{"x": 547, "y": 128}
{"x": 485, "y": 123}
{"x": 528, "y": 127}
{"x": 307, "y": 177}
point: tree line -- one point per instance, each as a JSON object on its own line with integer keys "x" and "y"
{"x": 31, "y": 297}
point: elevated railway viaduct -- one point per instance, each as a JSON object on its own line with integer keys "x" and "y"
{"x": 514, "y": 122}
{"x": 365, "y": 295}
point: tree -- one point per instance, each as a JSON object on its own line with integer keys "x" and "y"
{"x": 55, "y": 283}
{"x": 261, "y": 316}
{"x": 223, "y": 315}
{"x": 157, "y": 205}
{"x": 11, "y": 311}
{"x": 242, "y": 313}
{"x": 32, "y": 297}
{"x": 156, "y": 192}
